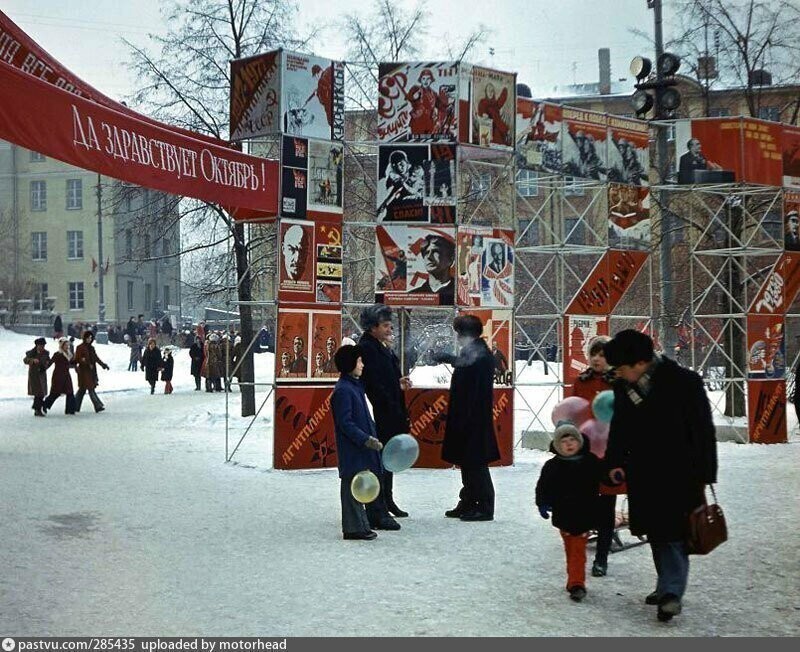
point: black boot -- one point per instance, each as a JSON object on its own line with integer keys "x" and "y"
{"x": 388, "y": 489}
{"x": 459, "y": 510}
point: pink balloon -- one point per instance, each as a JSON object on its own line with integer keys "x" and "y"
{"x": 597, "y": 432}
{"x": 572, "y": 408}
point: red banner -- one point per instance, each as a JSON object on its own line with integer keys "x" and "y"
{"x": 427, "y": 410}
{"x": 304, "y": 434}
{"x": 62, "y": 125}
{"x": 609, "y": 280}
{"x": 23, "y": 53}
{"x": 767, "y": 411}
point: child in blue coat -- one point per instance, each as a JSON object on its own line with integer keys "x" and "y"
{"x": 357, "y": 444}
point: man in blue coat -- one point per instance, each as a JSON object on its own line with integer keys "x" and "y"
{"x": 356, "y": 442}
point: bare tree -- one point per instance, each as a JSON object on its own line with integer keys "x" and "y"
{"x": 186, "y": 82}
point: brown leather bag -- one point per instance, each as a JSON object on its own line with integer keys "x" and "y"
{"x": 707, "y": 527}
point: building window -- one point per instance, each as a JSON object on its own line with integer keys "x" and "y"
{"x": 527, "y": 183}
{"x": 128, "y": 201}
{"x": 479, "y": 185}
{"x": 74, "y": 194}
{"x": 165, "y": 246}
{"x": 130, "y": 295}
{"x": 166, "y": 296}
{"x": 40, "y": 297}
{"x": 128, "y": 244}
{"x": 76, "y": 295}
{"x": 573, "y": 188}
{"x": 38, "y": 196}
{"x": 719, "y": 112}
{"x": 36, "y": 157}
{"x": 147, "y": 245}
{"x": 772, "y": 113}
{"x": 74, "y": 245}
{"x": 39, "y": 245}
{"x": 148, "y": 296}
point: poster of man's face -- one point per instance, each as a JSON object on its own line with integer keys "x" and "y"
{"x": 485, "y": 267}
{"x": 296, "y": 256}
{"x": 402, "y": 172}
{"x": 303, "y": 335}
{"x": 791, "y": 238}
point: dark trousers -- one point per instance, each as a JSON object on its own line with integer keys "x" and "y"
{"x": 133, "y": 365}
{"x": 70, "y": 407}
{"x": 197, "y": 382}
{"x": 606, "y": 516}
{"x": 96, "y": 402}
{"x": 671, "y": 560}
{"x": 378, "y": 509}
{"x": 387, "y": 488}
{"x": 354, "y": 516}
{"x": 38, "y": 402}
{"x": 478, "y": 490}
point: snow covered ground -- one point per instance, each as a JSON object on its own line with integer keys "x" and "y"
{"x": 130, "y": 522}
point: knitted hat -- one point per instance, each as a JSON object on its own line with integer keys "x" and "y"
{"x": 565, "y": 430}
{"x": 40, "y": 341}
{"x": 346, "y": 357}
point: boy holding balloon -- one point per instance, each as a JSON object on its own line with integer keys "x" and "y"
{"x": 596, "y": 379}
{"x": 357, "y": 445}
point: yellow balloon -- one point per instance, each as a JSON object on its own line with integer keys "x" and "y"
{"x": 365, "y": 486}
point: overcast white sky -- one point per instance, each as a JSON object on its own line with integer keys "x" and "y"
{"x": 547, "y": 43}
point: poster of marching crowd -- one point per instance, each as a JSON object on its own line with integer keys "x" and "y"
{"x": 584, "y": 153}
{"x": 306, "y": 343}
{"x": 539, "y": 136}
{"x": 485, "y": 267}
{"x": 283, "y": 91}
{"x": 415, "y": 265}
{"x": 310, "y": 266}
{"x": 417, "y": 183}
{"x": 311, "y": 178}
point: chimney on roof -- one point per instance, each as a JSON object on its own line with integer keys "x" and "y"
{"x": 760, "y": 77}
{"x": 604, "y": 58}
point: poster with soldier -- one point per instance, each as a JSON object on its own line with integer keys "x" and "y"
{"x": 255, "y": 96}
{"x": 310, "y": 261}
{"x": 628, "y": 151}
{"x": 302, "y": 335}
{"x": 312, "y": 96}
{"x": 494, "y": 100}
{"x": 583, "y": 147}
{"x": 415, "y": 265}
{"x": 418, "y": 102}
{"x": 485, "y": 267}
{"x": 628, "y": 216}
{"x": 538, "y": 135}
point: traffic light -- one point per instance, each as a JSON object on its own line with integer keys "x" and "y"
{"x": 665, "y": 98}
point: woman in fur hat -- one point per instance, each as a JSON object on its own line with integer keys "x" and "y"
{"x": 61, "y": 382}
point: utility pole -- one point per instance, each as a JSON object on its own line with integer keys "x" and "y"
{"x": 662, "y": 165}
{"x": 102, "y": 335}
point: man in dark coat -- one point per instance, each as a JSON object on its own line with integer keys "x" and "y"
{"x": 37, "y": 360}
{"x": 152, "y": 363}
{"x": 58, "y": 327}
{"x": 662, "y": 441}
{"x": 469, "y": 438}
{"x": 356, "y": 443}
{"x": 87, "y": 361}
{"x": 384, "y": 383}
{"x": 196, "y": 354}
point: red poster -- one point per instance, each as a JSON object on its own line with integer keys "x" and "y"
{"x": 326, "y": 333}
{"x": 766, "y": 359}
{"x": 771, "y": 298}
{"x": 494, "y": 99}
{"x": 628, "y": 151}
{"x": 305, "y": 344}
{"x": 304, "y": 434}
{"x": 497, "y": 331}
{"x": 623, "y": 267}
{"x": 791, "y": 156}
{"x": 427, "y": 409}
{"x": 485, "y": 267}
{"x": 763, "y": 160}
{"x": 628, "y": 216}
{"x": 767, "y": 411}
{"x": 310, "y": 265}
{"x": 609, "y": 280}
{"x": 59, "y": 124}
{"x": 255, "y": 96}
{"x": 709, "y": 150}
{"x": 791, "y": 276}
{"x": 578, "y": 332}
{"x": 583, "y": 148}
{"x": 791, "y": 220}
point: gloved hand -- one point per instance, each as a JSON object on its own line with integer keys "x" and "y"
{"x": 544, "y": 511}
{"x": 373, "y": 443}
{"x": 617, "y": 476}
{"x": 106, "y": 367}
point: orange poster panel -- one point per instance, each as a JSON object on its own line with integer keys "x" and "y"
{"x": 304, "y": 434}
{"x": 767, "y": 411}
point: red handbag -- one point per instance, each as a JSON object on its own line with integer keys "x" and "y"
{"x": 707, "y": 527}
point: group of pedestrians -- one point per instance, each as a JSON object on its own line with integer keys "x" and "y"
{"x": 84, "y": 360}
{"x": 661, "y": 448}
{"x": 215, "y": 360}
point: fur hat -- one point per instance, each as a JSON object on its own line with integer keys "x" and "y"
{"x": 374, "y": 315}
{"x": 39, "y": 341}
{"x": 346, "y": 357}
{"x": 87, "y": 334}
{"x": 629, "y": 347}
{"x": 213, "y": 337}
{"x": 565, "y": 430}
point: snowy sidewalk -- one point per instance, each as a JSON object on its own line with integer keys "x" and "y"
{"x": 130, "y": 523}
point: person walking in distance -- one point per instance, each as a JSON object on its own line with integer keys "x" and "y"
{"x": 168, "y": 365}
{"x": 87, "y": 361}
{"x": 152, "y": 363}
{"x": 37, "y": 360}
{"x": 469, "y": 438}
{"x": 61, "y": 381}
{"x": 196, "y": 354}
{"x": 384, "y": 384}
{"x": 662, "y": 441}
